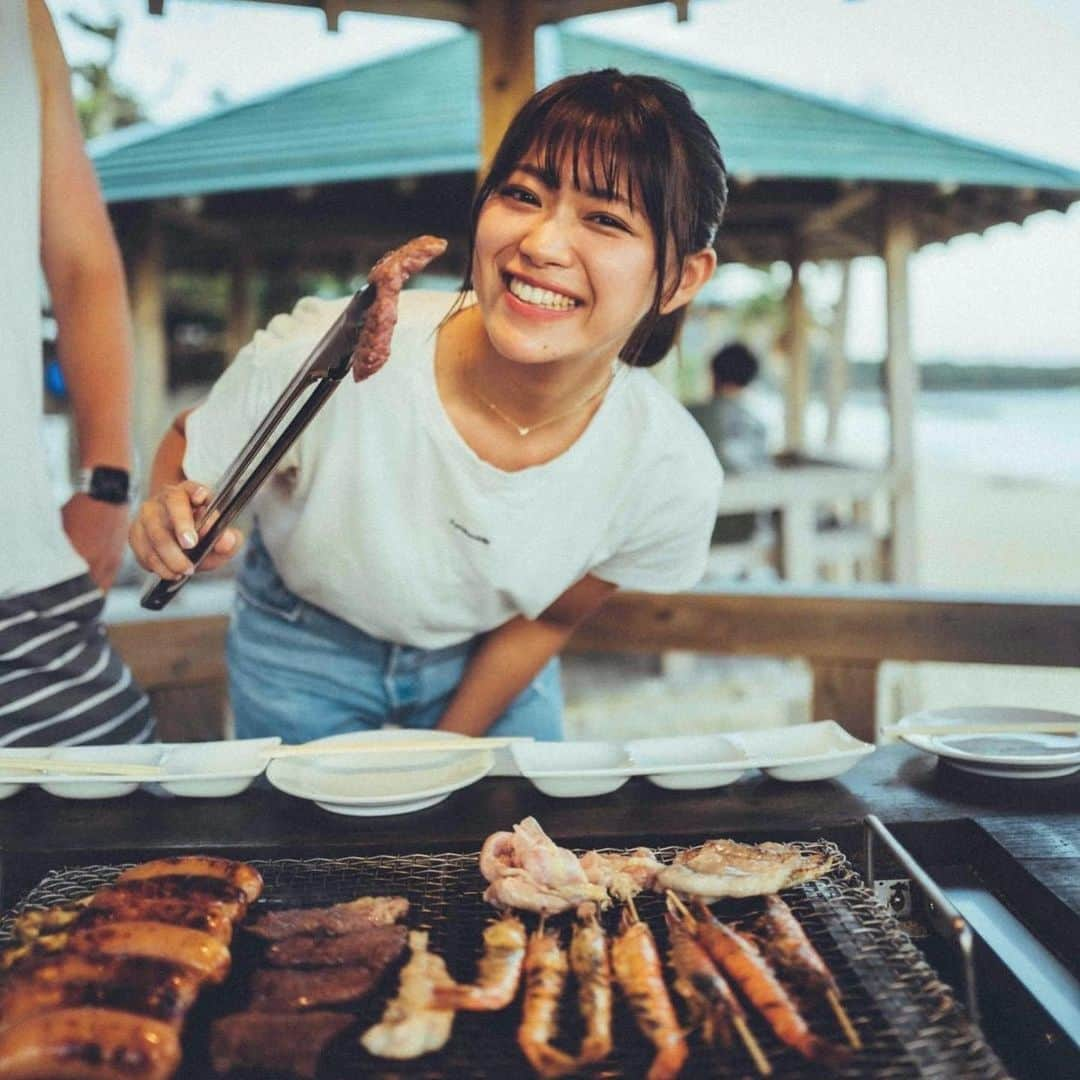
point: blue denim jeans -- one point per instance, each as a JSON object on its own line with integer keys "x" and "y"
{"x": 299, "y": 672}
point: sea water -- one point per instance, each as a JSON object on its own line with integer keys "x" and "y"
{"x": 1014, "y": 434}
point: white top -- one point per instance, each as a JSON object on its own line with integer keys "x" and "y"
{"x": 36, "y": 552}
{"x": 383, "y": 515}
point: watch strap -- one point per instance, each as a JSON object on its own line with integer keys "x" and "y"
{"x": 105, "y": 483}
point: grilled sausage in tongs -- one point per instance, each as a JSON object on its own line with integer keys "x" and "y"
{"x": 358, "y": 340}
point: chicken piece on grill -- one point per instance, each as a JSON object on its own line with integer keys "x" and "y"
{"x": 527, "y": 870}
{"x": 410, "y": 1027}
{"x": 289, "y": 1042}
{"x": 624, "y": 876}
{"x": 337, "y": 919}
{"x": 374, "y": 947}
{"x": 136, "y": 984}
{"x": 727, "y": 868}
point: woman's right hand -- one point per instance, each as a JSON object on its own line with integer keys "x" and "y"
{"x": 164, "y": 529}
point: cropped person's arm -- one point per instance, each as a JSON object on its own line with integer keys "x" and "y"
{"x": 512, "y": 655}
{"x": 86, "y": 282}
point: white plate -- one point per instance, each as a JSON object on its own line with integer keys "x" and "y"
{"x": 567, "y": 770}
{"x": 213, "y": 769}
{"x": 688, "y": 762}
{"x": 67, "y": 786}
{"x": 385, "y": 783}
{"x": 1016, "y": 756}
{"x": 802, "y": 752}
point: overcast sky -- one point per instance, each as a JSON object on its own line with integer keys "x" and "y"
{"x": 1003, "y": 71}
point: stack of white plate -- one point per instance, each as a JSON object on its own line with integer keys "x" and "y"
{"x": 364, "y": 784}
{"x": 997, "y": 741}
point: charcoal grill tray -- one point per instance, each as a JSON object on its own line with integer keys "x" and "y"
{"x": 909, "y": 1021}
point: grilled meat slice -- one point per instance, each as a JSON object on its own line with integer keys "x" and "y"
{"x": 290, "y": 1042}
{"x": 728, "y": 868}
{"x": 374, "y": 947}
{"x": 135, "y": 984}
{"x": 244, "y": 877}
{"x": 204, "y": 955}
{"x": 339, "y": 919}
{"x": 88, "y": 1044}
{"x": 283, "y": 989}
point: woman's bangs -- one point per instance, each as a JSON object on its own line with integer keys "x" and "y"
{"x": 597, "y": 149}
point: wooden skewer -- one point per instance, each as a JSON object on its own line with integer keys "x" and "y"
{"x": 843, "y": 1019}
{"x": 753, "y": 1047}
{"x": 403, "y": 746}
{"x": 78, "y": 768}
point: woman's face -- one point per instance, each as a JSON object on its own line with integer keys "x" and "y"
{"x": 560, "y": 273}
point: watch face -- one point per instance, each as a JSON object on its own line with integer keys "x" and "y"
{"x": 109, "y": 485}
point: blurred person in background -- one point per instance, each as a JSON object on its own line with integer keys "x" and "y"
{"x": 737, "y": 434}
{"x": 60, "y": 682}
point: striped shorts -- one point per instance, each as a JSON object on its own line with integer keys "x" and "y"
{"x": 60, "y": 681}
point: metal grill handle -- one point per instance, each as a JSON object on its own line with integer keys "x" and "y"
{"x": 944, "y": 916}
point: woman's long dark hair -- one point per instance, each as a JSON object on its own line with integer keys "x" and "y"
{"x": 632, "y": 133}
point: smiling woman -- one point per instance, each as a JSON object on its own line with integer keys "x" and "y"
{"x": 505, "y": 472}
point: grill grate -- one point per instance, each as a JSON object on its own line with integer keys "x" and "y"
{"x": 909, "y": 1022}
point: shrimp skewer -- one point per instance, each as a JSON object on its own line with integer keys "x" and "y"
{"x": 742, "y": 961}
{"x": 546, "y": 968}
{"x": 705, "y": 990}
{"x": 639, "y": 972}
{"x": 592, "y": 967}
{"x": 787, "y": 946}
{"x": 499, "y": 971}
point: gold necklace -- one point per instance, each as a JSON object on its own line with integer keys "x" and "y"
{"x": 528, "y": 429}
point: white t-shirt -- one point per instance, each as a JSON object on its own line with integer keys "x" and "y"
{"x": 383, "y": 515}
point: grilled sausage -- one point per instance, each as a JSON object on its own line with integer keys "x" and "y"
{"x": 137, "y": 984}
{"x": 192, "y": 948}
{"x": 239, "y": 874}
{"x": 88, "y": 1044}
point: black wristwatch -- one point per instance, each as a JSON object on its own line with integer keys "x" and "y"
{"x": 105, "y": 484}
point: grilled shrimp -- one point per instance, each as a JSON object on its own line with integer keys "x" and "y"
{"x": 742, "y": 961}
{"x": 639, "y": 971}
{"x": 498, "y": 975}
{"x": 788, "y": 948}
{"x": 591, "y": 966}
{"x": 705, "y": 991}
{"x": 545, "y": 974}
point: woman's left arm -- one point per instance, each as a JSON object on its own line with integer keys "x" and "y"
{"x": 512, "y": 655}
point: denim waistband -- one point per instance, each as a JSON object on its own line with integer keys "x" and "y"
{"x": 259, "y": 583}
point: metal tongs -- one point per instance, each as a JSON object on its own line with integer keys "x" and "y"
{"x": 328, "y": 363}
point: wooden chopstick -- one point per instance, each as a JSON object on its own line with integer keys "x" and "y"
{"x": 1050, "y": 727}
{"x": 78, "y": 768}
{"x": 394, "y": 746}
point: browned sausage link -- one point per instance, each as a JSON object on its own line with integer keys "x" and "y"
{"x": 209, "y": 893}
{"x": 137, "y": 984}
{"x": 785, "y": 944}
{"x": 200, "y": 952}
{"x": 88, "y": 1044}
{"x": 245, "y": 877}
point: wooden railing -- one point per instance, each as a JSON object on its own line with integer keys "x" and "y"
{"x": 844, "y": 635}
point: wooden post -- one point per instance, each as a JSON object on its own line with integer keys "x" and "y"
{"x": 507, "y": 30}
{"x": 902, "y": 377}
{"x": 146, "y": 271}
{"x": 242, "y": 316}
{"x": 846, "y": 693}
{"x": 798, "y": 356}
{"x": 836, "y": 384}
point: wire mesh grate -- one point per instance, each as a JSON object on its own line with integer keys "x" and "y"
{"x": 909, "y": 1021}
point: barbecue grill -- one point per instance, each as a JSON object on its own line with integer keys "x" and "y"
{"x": 911, "y": 1024}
